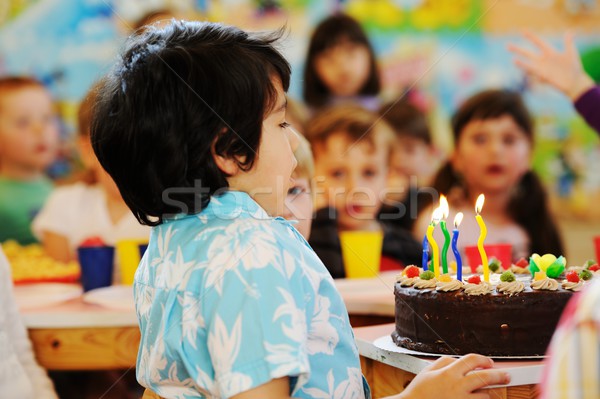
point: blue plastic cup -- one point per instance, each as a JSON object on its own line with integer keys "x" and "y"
{"x": 96, "y": 266}
{"x": 143, "y": 248}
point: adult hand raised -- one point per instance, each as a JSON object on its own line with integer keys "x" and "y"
{"x": 561, "y": 69}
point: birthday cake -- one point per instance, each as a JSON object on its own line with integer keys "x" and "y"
{"x": 511, "y": 315}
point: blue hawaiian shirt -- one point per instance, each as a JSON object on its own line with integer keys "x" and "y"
{"x": 231, "y": 298}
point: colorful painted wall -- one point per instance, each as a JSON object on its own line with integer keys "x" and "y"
{"x": 445, "y": 49}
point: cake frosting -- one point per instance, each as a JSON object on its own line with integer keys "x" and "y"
{"x": 510, "y": 287}
{"x": 421, "y": 284}
{"x": 569, "y": 285}
{"x": 482, "y": 288}
{"x": 448, "y": 286}
{"x": 548, "y": 284}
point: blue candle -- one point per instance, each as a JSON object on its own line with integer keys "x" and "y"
{"x": 457, "y": 220}
{"x": 425, "y": 253}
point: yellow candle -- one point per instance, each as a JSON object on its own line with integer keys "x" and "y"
{"x": 483, "y": 233}
{"x": 434, "y": 247}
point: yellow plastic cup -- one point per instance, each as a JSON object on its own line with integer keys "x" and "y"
{"x": 361, "y": 251}
{"x": 128, "y": 254}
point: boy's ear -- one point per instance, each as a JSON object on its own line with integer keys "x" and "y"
{"x": 227, "y": 165}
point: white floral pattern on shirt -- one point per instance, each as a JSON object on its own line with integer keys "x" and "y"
{"x": 231, "y": 298}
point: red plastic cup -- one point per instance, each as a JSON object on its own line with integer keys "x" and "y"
{"x": 597, "y": 245}
{"x": 502, "y": 252}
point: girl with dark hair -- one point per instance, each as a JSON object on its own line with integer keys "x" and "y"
{"x": 340, "y": 65}
{"x": 494, "y": 138}
{"x": 231, "y": 300}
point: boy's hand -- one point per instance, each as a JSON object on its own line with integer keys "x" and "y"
{"x": 562, "y": 70}
{"x": 451, "y": 378}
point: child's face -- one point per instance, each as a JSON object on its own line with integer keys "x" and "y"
{"x": 344, "y": 68}
{"x": 411, "y": 158}
{"x": 270, "y": 178}
{"x": 28, "y": 129}
{"x": 492, "y": 154}
{"x": 352, "y": 178}
{"x": 299, "y": 205}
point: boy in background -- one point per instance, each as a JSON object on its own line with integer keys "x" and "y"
{"x": 413, "y": 163}
{"x": 28, "y": 145}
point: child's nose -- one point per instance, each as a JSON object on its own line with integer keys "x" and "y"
{"x": 293, "y": 138}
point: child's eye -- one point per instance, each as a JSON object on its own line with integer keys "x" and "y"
{"x": 296, "y": 190}
{"x": 284, "y": 125}
{"x": 337, "y": 174}
{"x": 510, "y": 140}
{"x": 479, "y": 139}
{"x": 22, "y": 122}
{"x": 370, "y": 173}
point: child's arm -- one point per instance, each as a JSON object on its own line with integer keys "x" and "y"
{"x": 19, "y": 340}
{"x": 562, "y": 70}
{"x": 56, "y": 246}
{"x": 278, "y": 388}
{"x": 455, "y": 379}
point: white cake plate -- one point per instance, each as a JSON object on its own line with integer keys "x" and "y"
{"x": 386, "y": 343}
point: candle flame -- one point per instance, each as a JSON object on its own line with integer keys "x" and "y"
{"x": 479, "y": 203}
{"x": 445, "y": 209}
{"x": 437, "y": 216}
{"x": 458, "y": 219}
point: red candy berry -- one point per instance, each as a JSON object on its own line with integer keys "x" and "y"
{"x": 92, "y": 242}
{"x": 474, "y": 279}
{"x": 594, "y": 268}
{"x": 412, "y": 271}
{"x": 573, "y": 277}
{"x": 522, "y": 263}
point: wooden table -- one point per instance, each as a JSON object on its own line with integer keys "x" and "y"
{"x": 388, "y": 373}
{"x": 80, "y": 336}
{"x": 369, "y": 301}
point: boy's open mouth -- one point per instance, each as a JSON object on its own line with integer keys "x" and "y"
{"x": 495, "y": 169}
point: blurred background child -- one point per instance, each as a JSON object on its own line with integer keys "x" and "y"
{"x": 413, "y": 164}
{"x": 494, "y": 137}
{"x": 80, "y": 211}
{"x": 351, "y": 146}
{"x": 28, "y": 145}
{"x": 340, "y": 65}
{"x": 20, "y": 375}
{"x": 299, "y": 200}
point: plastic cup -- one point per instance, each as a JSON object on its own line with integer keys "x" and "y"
{"x": 96, "y": 266}
{"x": 502, "y": 252}
{"x": 129, "y": 254}
{"x": 142, "y": 248}
{"x": 361, "y": 251}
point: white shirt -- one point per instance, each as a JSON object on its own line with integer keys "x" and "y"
{"x": 80, "y": 211}
{"x": 20, "y": 375}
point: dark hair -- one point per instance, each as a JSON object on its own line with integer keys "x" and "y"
{"x": 331, "y": 32}
{"x": 86, "y": 107}
{"x": 178, "y": 96}
{"x": 11, "y": 83}
{"x": 528, "y": 207}
{"x": 355, "y": 121}
{"x": 407, "y": 120}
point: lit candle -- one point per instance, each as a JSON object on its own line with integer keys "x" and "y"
{"x": 457, "y": 219}
{"x": 425, "y": 253}
{"x": 434, "y": 247}
{"x": 445, "y": 210}
{"x": 484, "y": 259}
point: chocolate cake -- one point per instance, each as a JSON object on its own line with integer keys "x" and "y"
{"x": 494, "y": 324}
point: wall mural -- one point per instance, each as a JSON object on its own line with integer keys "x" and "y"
{"x": 442, "y": 50}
